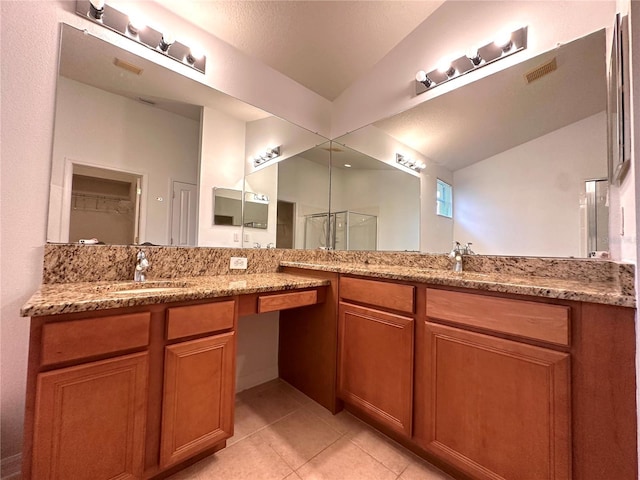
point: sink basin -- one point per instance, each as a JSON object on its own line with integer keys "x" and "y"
{"x": 152, "y": 286}
{"x": 146, "y": 290}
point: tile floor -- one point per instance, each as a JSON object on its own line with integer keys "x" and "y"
{"x": 282, "y": 434}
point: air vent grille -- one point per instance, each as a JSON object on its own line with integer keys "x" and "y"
{"x": 130, "y": 67}
{"x": 541, "y": 71}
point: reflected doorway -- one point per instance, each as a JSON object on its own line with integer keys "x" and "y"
{"x": 285, "y": 224}
{"x": 184, "y": 211}
{"x": 105, "y": 205}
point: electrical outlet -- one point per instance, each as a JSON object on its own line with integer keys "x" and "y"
{"x": 246, "y": 237}
{"x": 238, "y": 263}
{"x": 236, "y": 237}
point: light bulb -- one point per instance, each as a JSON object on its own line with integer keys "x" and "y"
{"x": 475, "y": 57}
{"x": 195, "y": 54}
{"x": 135, "y": 25}
{"x": 503, "y": 40}
{"x": 96, "y": 9}
{"x": 422, "y": 77}
{"x": 166, "y": 41}
{"x": 446, "y": 68}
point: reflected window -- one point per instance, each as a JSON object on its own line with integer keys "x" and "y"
{"x": 444, "y": 199}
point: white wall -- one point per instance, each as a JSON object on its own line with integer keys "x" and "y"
{"x": 306, "y": 184}
{"x": 498, "y": 204}
{"x": 436, "y": 232}
{"x": 392, "y": 195}
{"x": 272, "y": 132}
{"x": 221, "y": 165}
{"x": 98, "y": 128}
{"x": 263, "y": 181}
{"x": 257, "y": 350}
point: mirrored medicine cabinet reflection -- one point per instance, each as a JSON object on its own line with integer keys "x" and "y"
{"x": 152, "y": 157}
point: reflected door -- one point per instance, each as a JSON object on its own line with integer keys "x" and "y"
{"x": 183, "y": 214}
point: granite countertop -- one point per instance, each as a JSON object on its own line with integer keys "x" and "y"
{"x": 58, "y": 298}
{"x": 604, "y": 292}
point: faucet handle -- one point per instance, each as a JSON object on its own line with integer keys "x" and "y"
{"x": 467, "y": 249}
{"x": 456, "y": 250}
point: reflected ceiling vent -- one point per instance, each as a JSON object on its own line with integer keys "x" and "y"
{"x": 129, "y": 67}
{"x": 146, "y": 101}
{"x": 541, "y": 71}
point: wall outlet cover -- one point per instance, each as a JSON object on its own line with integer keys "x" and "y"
{"x": 238, "y": 263}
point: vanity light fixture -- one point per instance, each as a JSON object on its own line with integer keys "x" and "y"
{"x": 135, "y": 29}
{"x": 266, "y": 156}
{"x": 506, "y": 44}
{"x": 409, "y": 162}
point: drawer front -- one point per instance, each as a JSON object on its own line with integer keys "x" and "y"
{"x": 382, "y": 294}
{"x": 282, "y": 301}
{"x": 77, "y": 339}
{"x": 199, "y": 319}
{"x": 537, "y": 321}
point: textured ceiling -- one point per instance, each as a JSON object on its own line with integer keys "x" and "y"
{"x": 323, "y": 45}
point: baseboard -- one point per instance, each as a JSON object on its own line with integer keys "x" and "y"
{"x": 10, "y": 467}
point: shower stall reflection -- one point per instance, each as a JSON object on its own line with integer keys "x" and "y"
{"x": 344, "y": 230}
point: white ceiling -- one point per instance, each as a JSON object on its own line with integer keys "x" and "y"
{"x": 323, "y": 45}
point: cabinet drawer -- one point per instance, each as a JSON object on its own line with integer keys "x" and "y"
{"x": 77, "y": 339}
{"x": 198, "y": 319}
{"x": 537, "y": 321}
{"x": 381, "y": 294}
{"x": 282, "y": 301}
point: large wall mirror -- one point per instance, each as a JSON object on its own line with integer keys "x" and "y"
{"x": 520, "y": 148}
{"x": 139, "y": 148}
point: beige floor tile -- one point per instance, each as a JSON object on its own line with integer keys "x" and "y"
{"x": 392, "y": 455}
{"x": 261, "y": 406}
{"x": 419, "y": 470}
{"x": 250, "y": 459}
{"x": 293, "y": 476}
{"x": 344, "y": 460}
{"x": 299, "y": 437}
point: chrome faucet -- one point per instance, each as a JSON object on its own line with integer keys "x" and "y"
{"x": 142, "y": 265}
{"x": 458, "y": 252}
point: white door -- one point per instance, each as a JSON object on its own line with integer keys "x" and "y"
{"x": 183, "y": 214}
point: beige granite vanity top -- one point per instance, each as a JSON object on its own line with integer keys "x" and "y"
{"x": 605, "y": 292}
{"x": 57, "y": 298}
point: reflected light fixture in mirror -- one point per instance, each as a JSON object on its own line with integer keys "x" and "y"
{"x": 266, "y": 156}
{"x": 505, "y": 44}
{"x": 135, "y": 29}
{"x": 409, "y": 162}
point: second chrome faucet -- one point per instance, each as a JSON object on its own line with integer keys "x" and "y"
{"x": 458, "y": 252}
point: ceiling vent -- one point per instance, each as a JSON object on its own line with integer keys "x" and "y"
{"x": 129, "y": 67}
{"x": 541, "y": 71}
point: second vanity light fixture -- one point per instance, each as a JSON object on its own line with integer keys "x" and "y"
{"x": 505, "y": 44}
{"x": 409, "y": 162}
{"x": 134, "y": 29}
{"x": 266, "y": 156}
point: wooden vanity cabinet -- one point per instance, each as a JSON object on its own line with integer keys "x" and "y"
{"x": 130, "y": 393}
{"x": 86, "y": 418}
{"x": 199, "y": 381}
{"x": 495, "y": 408}
{"x": 375, "y": 351}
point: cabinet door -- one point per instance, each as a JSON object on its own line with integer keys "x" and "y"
{"x": 90, "y": 421}
{"x": 198, "y": 397}
{"x": 496, "y": 409}
{"x": 376, "y": 364}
